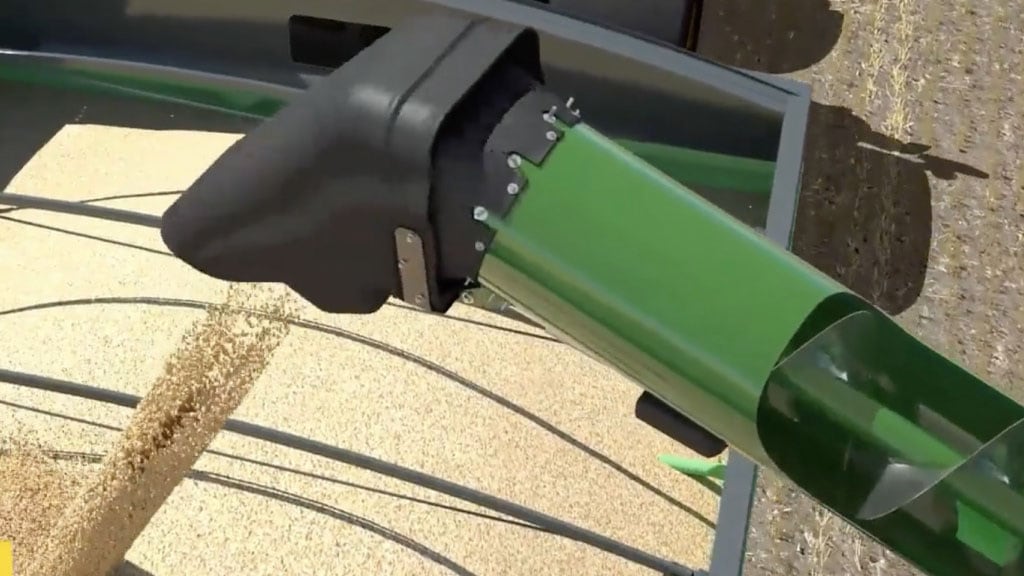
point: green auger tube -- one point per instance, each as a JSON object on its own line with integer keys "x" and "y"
{"x": 696, "y": 467}
{"x": 763, "y": 350}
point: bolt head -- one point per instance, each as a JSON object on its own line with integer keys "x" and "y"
{"x": 551, "y": 135}
{"x": 467, "y": 297}
{"x": 515, "y": 161}
{"x": 480, "y": 213}
{"x": 480, "y": 247}
{"x": 420, "y": 298}
{"x": 512, "y": 188}
{"x": 569, "y": 106}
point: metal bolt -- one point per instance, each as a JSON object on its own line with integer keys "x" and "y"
{"x": 402, "y": 262}
{"x": 512, "y": 188}
{"x": 549, "y": 116}
{"x": 410, "y": 237}
{"x": 420, "y": 298}
{"x": 551, "y": 135}
{"x": 480, "y": 213}
{"x": 480, "y": 247}
{"x": 569, "y": 105}
{"x": 515, "y": 161}
{"x": 467, "y": 297}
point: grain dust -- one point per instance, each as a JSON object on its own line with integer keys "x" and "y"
{"x": 203, "y": 382}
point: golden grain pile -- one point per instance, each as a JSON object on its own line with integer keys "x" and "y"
{"x": 35, "y": 490}
{"x": 203, "y": 382}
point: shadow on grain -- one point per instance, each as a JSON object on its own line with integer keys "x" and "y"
{"x": 130, "y": 569}
{"x": 865, "y": 210}
{"x": 42, "y": 112}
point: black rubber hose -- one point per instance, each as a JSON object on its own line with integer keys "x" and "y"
{"x": 310, "y": 446}
{"x": 79, "y": 209}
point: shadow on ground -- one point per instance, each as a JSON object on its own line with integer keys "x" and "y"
{"x": 129, "y": 569}
{"x": 865, "y": 211}
{"x": 775, "y": 37}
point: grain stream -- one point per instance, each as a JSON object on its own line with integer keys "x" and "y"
{"x": 203, "y": 382}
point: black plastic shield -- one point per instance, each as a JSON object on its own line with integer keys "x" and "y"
{"x": 312, "y": 197}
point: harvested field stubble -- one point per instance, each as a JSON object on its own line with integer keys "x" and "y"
{"x": 912, "y": 195}
{"x": 204, "y": 381}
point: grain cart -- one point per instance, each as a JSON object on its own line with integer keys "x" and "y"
{"x": 440, "y": 151}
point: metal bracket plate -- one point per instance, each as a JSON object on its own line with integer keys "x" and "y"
{"x": 412, "y": 268}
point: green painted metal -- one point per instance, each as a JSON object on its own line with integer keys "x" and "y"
{"x": 654, "y": 279}
{"x": 700, "y": 169}
{"x": 784, "y": 363}
{"x": 906, "y": 444}
{"x": 697, "y": 467}
{"x": 165, "y": 87}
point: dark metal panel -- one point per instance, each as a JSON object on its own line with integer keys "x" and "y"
{"x": 629, "y": 86}
{"x": 788, "y": 169}
{"x": 728, "y": 553}
{"x": 665, "y": 20}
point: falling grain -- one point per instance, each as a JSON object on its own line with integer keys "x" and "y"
{"x": 203, "y": 382}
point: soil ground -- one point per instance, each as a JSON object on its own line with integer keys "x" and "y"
{"x": 913, "y": 195}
